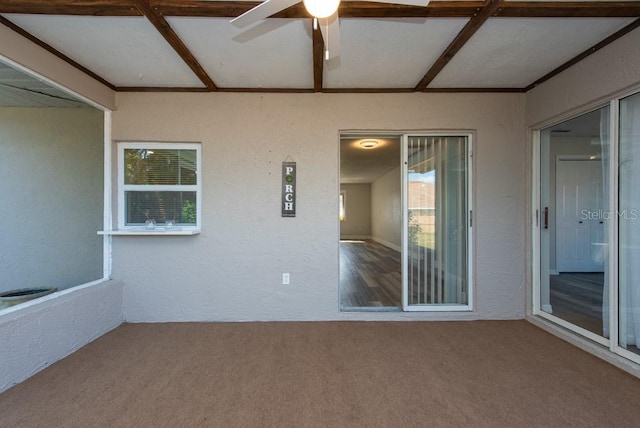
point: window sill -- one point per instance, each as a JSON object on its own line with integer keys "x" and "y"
{"x": 142, "y": 231}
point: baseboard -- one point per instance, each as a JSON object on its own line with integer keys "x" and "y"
{"x": 355, "y": 237}
{"x": 387, "y": 244}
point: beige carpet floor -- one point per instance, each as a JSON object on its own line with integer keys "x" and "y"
{"x": 335, "y": 374}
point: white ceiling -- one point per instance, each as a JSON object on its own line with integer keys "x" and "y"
{"x": 512, "y": 53}
{"x": 388, "y": 53}
{"x": 126, "y": 51}
{"x": 359, "y": 165}
{"x": 267, "y": 56}
{"x": 383, "y": 53}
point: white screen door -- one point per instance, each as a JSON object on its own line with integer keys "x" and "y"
{"x": 437, "y": 222}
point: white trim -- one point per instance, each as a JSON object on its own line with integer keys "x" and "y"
{"x": 627, "y": 354}
{"x": 536, "y": 221}
{"x": 470, "y": 222}
{"x": 158, "y": 231}
{"x": 576, "y": 329}
{"x": 124, "y": 229}
{"x": 614, "y": 304}
{"x": 107, "y": 256}
{"x": 404, "y": 235}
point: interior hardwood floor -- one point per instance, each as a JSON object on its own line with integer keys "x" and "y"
{"x": 370, "y": 275}
{"x": 576, "y": 297}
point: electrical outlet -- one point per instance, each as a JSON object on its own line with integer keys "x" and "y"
{"x": 285, "y": 279}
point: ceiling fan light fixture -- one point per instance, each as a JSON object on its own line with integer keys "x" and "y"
{"x": 369, "y": 144}
{"x": 321, "y": 8}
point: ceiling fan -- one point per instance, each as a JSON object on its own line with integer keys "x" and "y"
{"x": 325, "y": 11}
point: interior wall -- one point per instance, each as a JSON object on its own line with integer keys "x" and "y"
{"x": 51, "y": 170}
{"x": 233, "y": 269}
{"x": 386, "y": 209}
{"x": 357, "y": 221}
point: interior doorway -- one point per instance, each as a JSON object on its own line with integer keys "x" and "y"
{"x": 370, "y": 222}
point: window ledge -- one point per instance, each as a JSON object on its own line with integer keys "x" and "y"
{"x": 159, "y": 231}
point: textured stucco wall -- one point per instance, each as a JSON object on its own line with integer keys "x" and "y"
{"x": 590, "y": 82}
{"x": 357, "y": 222}
{"x": 233, "y": 269}
{"x": 386, "y": 209}
{"x": 51, "y": 188}
{"x": 36, "y": 334}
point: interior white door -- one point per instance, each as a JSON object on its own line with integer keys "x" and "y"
{"x": 579, "y": 222}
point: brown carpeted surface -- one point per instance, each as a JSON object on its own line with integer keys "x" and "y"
{"x": 335, "y": 374}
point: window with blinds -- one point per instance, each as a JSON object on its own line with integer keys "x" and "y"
{"x": 159, "y": 184}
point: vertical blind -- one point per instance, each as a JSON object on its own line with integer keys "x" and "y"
{"x": 437, "y": 220}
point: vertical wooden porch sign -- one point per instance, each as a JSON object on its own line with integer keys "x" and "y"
{"x": 288, "y": 189}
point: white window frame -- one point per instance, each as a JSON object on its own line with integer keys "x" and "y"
{"x": 123, "y": 188}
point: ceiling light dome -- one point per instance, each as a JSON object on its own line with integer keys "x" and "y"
{"x": 321, "y": 8}
{"x": 369, "y": 144}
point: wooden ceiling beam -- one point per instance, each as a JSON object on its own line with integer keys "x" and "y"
{"x": 71, "y": 7}
{"x": 318, "y": 60}
{"x": 364, "y": 9}
{"x": 575, "y": 9}
{"x": 228, "y": 9}
{"x": 461, "y": 39}
{"x": 176, "y": 43}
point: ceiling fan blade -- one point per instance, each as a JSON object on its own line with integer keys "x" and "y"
{"x": 330, "y": 29}
{"x": 423, "y": 3}
{"x": 262, "y": 11}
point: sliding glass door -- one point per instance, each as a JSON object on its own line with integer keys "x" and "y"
{"x": 587, "y": 225}
{"x": 436, "y": 235}
{"x": 629, "y": 224}
{"x": 573, "y": 218}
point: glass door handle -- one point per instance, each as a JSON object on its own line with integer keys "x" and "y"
{"x": 546, "y": 217}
